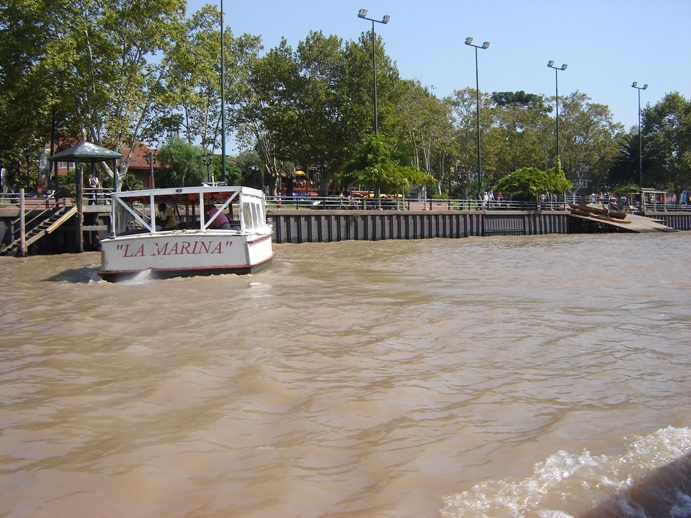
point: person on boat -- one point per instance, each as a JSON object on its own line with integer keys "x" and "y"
{"x": 166, "y": 218}
{"x": 221, "y": 222}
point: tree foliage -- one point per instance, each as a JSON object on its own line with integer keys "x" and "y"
{"x": 310, "y": 104}
{"x": 667, "y": 138}
{"x": 181, "y": 164}
{"x": 87, "y": 71}
{"x": 534, "y": 181}
{"x": 116, "y": 73}
{"x": 527, "y": 180}
{"x": 373, "y": 167}
{"x": 424, "y": 129}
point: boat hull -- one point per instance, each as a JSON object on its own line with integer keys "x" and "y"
{"x": 184, "y": 254}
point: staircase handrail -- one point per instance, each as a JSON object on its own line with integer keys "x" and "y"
{"x": 40, "y": 216}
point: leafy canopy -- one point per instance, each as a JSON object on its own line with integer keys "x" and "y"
{"x": 534, "y": 181}
{"x": 181, "y": 163}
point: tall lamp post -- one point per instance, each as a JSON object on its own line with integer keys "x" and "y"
{"x": 207, "y": 160}
{"x": 254, "y": 169}
{"x": 550, "y": 64}
{"x": 484, "y": 46}
{"x": 151, "y": 160}
{"x": 223, "y": 104}
{"x": 640, "y": 143}
{"x": 363, "y": 14}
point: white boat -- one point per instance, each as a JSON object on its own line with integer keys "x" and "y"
{"x": 138, "y": 242}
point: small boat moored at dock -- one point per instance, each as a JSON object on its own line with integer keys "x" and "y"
{"x": 588, "y": 210}
{"x": 187, "y": 231}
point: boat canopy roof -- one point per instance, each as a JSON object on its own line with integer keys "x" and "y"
{"x": 212, "y": 194}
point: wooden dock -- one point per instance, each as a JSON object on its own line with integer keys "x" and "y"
{"x": 630, "y": 223}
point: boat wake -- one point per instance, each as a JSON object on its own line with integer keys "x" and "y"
{"x": 85, "y": 275}
{"x": 141, "y": 278}
{"x": 652, "y": 479}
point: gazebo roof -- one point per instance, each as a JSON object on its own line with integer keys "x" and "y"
{"x": 86, "y": 152}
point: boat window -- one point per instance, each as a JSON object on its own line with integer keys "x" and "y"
{"x": 247, "y": 216}
{"x": 258, "y": 215}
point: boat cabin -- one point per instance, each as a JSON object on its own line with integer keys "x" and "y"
{"x": 191, "y": 209}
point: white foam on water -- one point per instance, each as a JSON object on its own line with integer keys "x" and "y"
{"x": 651, "y": 478}
{"x": 141, "y": 278}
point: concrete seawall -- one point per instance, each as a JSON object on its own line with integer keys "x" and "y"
{"x": 324, "y": 226}
{"x": 676, "y": 220}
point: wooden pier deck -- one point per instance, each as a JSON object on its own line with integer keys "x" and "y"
{"x": 632, "y": 223}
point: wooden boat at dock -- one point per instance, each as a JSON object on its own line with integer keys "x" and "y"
{"x": 590, "y": 211}
{"x": 214, "y": 230}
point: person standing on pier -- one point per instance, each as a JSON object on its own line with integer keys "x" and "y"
{"x": 94, "y": 186}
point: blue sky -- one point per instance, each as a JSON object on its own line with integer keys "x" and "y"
{"x": 607, "y": 44}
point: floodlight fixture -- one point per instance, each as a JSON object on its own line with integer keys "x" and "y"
{"x": 485, "y": 45}
{"x": 640, "y": 145}
{"x": 550, "y": 64}
{"x": 363, "y": 14}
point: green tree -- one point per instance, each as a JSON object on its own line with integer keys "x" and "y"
{"x": 463, "y": 114}
{"x": 33, "y": 76}
{"x": 520, "y": 122}
{"x": 307, "y": 105}
{"x": 194, "y": 73}
{"x": 667, "y": 140}
{"x": 624, "y": 166}
{"x": 588, "y": 138}
{"x": 527, "y": 180}
{"x": 424, "y": 128}
{"x": 373, "y": 167}
{"x": 88, "y": 66}
{"x": 557, "y": 182}
{"x": 181, "y": 164}
{"x": 464, "y": 117}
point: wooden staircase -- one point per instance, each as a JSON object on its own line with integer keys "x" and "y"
{"x": 47, "y": 226}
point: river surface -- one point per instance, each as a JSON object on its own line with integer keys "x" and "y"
{"x": 543, "y": 376}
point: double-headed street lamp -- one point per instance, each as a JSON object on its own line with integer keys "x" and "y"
{"x": 485, "y": 45}
{"x": 151, "y": 160}
{"x": 363, "y": 14}
{"x": 207, "y": 160}
{"x": 550, "y": 64}
{"x": 640, "y": 143}
{"x": 254, "y": 169}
